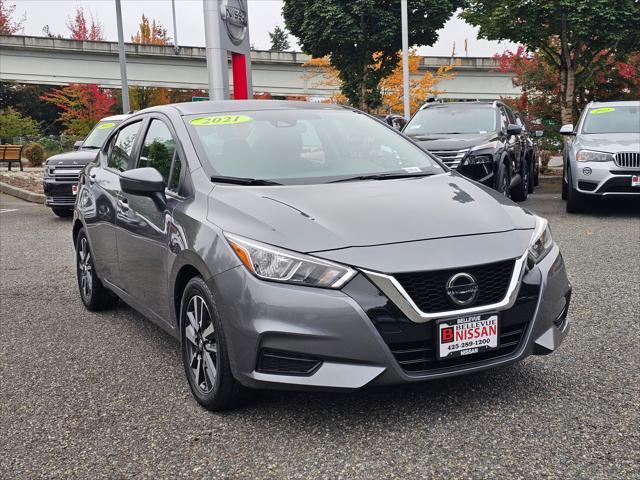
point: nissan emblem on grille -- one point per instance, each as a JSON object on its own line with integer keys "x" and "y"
{"x": 462, "y": 289}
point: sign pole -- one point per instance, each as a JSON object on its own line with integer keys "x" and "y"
{"x": 405, "y": 58}
{"x": 126, "y": 108}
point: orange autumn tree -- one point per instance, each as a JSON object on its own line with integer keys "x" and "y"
{"x": 323, "y": 74}
{"x": 150, "y": 33}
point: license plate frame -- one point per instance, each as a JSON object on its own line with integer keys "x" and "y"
{"x": 447, "y": 349}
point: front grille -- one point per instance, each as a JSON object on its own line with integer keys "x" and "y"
{"x": 627, "y": 159}
{"x": 428, "y": 289}
{"x": 66, "y": 173}
{"x": 286, "y": 363}
{"x": 451, "y": 158}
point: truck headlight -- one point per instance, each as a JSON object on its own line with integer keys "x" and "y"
{"x": 275, "y": 264}
{"x": 541, "y": 241}
{"x": 593, "y": 156}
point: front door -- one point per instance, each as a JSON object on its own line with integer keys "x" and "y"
{"x": 144, "y": 225}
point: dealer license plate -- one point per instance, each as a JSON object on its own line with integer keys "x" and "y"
{"x": 74, "y": 189}
{"x": 467, "y": 335}
{"x": 635, "y": 180}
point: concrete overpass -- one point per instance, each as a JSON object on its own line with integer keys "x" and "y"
{"x": 57, "y": 61}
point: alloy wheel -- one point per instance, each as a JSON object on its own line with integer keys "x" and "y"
{"x": 86, "y": 268}
{"x": 505, "y": 182}
{"x": 201, "y": 344}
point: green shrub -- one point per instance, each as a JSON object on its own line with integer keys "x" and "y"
{"x": 34, "y": 152}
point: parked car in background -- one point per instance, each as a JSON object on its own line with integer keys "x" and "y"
{"x": 481, "y": 140}
{"x": 530, "y": 151}
{"x": 61, "y": 171}
{"x": 309, "y": 246}
{"x": 602, "y": 156}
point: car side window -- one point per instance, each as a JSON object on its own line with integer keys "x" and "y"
{"x": 504, "y": 119}
{"x": 158, "y": 149}
{"x": 174, "y": 179}
{"x": 122, "y": 147}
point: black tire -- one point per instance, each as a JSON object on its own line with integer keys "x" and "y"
{"x": 564, "y": 188}
{"x": 63, "y": 212}
{"x": 533, "y": 180}
{"x": 503, "y": 179}
{"x": 93, "y": 294}
{"x": 576, "y": 201}
{"x": 521, "y": 191}
{"x": 204, "y": 350}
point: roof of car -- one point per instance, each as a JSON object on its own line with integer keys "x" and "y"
{"x": 115, "y": 117}
{"x": 489, "y": 103}
{"x": 220, "y": 106}
{"x": 628, "y": 103}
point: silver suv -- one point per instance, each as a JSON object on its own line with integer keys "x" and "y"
{"x": 603, "y": 157}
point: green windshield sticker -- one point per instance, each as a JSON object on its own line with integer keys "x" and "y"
{"x": 597, "y": 111}
{"x": 106, "y": 125}
{"x": 221, "y": 120}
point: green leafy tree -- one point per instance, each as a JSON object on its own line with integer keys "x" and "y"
{"x": 25, "y": 99}
{"x": 575, "y": 36}
{"x": 279, "y": 40}
{"x": 363, "y": 37}
{"x": 13, "y": 124}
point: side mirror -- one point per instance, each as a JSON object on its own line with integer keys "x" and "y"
{"x": 147, "y": 182}
{"x": 539, "y": 133}
{"x": 78, "y": 144}
{"x": 396, "y": 121}
{"x": 567, "y": 129}
{"x": 513, "y": 129}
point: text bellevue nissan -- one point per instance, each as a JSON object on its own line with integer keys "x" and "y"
{"x": 297, "y": 245}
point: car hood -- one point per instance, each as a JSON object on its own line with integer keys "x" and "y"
{"x": 77, "y": 157}
{"x": 311, "y": 218}
{"x": 454, "y": 142}
{"x": 611, "y": 142}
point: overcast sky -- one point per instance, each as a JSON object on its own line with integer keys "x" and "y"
{"x": 263, "y": 16}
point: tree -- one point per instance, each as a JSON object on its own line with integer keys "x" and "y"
{"x": 352, "y": 31}
{"x": 81, "y": 29}
{"x": 575, "y": 36}
{"x": 9, "y": 26}
{"x": 46, "y": 31}
{"x": 150, "y": 33}
{"x": 25, "y": 99}
{"x": 13, "y": 124}
{"x": 391, "y": 87}
{"x": 279, "y": 40}
{"x": 82, "y": 106}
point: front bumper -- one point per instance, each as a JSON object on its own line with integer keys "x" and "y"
{"x": 604, "y": 179}
{"x": 58, "y": 194}
{"x": 342, "y": 331}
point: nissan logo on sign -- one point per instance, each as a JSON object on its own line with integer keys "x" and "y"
{"x": 234, "y": 16}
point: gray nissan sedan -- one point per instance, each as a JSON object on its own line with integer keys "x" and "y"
{"x": 309, "y": 246}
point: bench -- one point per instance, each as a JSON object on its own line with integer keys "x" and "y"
{"x": 10, "y": 154}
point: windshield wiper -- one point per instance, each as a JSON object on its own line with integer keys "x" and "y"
{"x": 242, "y": 180}
{"x": 90, "y": 147}
{"x": 383, "y": 176}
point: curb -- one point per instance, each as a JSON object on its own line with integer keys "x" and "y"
{"x": 21, "y": 193}
{"x": 551, "y": 179}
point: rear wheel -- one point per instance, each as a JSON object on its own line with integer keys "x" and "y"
{"x": 63, "y": 212}
{"x": 93, "y": 294}
{"x": 576, "y": 201}
{"x": 204, "y": 350}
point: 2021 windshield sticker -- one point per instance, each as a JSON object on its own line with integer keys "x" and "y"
{"x": 221, "y": 120}
{"x": 106, "y": 125}
{"x": 598, "y": 111}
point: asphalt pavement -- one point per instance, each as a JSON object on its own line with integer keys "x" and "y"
{"x": 103, "y": 395}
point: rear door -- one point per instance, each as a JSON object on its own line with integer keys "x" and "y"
{"x": 104, "y": 184}
{"x": 144, "y": 226}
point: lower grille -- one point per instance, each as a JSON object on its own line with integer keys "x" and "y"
{"x": 627, "y": 159}
{"x": 451, "y": 158}
{"x": 286, "y": 363}
{"x": 62, "y": 199}
{"x": 428, "y": 289}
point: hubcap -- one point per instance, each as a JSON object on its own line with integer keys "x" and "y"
{"x": 201, "y": 344}
{"x": 85, "y": 268}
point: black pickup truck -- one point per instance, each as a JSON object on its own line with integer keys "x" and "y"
{"x": 62, "y": 171}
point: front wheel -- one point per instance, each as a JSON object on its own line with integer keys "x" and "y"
{"x": 503, "y": 180}
{"x": 204, "y": 350}
{"x": 576, "y": 201}
{"x": 93, "y": 294}
{"x": 521, "y": 191}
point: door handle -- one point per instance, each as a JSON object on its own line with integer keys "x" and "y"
{"x": 123, "y": 205}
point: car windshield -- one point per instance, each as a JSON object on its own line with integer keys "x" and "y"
{"x": 624, "y": 119}
{"x": 304, "y": 146}
{"x": 99, "y": 134}
{"x": 452, "y": 119}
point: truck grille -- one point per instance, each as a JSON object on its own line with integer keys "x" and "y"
{"x": 65, "y": 173}
{"x": 451, "y": 158}
{"x": 428, "y": 289}
{"x": 627, "y": 159}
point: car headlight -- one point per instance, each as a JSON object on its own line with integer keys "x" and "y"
{"x": 478, "y": 160}
{"x": 272, "y": 263}
{"x": 491, "y": 145}
{"x": 541, "y": 242}
{"x": 593, "y": 156}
